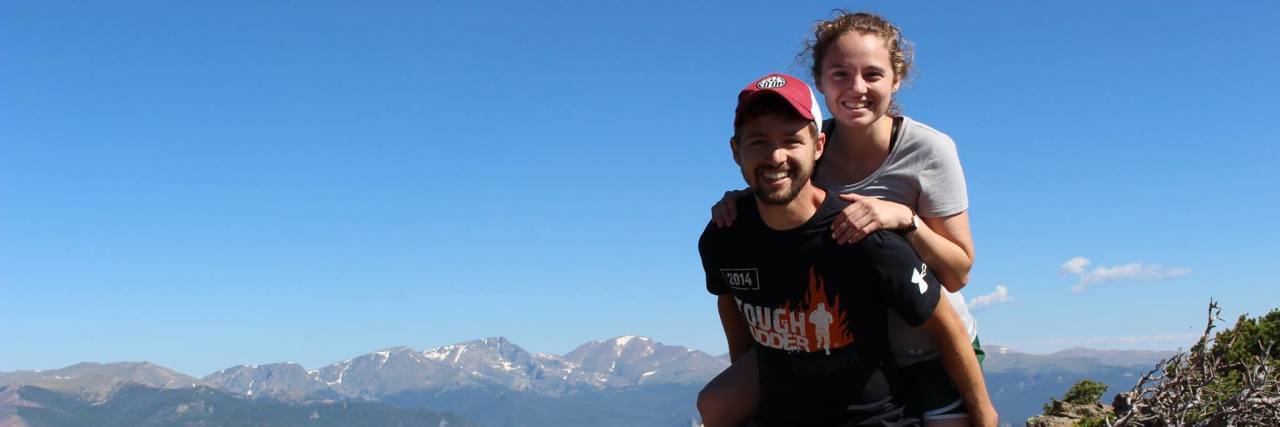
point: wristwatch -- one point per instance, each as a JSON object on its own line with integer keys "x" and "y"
{"x": 915, "y": 223}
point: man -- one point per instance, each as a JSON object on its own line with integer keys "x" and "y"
{"x": 811, "y": 314}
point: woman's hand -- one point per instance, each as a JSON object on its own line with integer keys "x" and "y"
{"x": 866, "y": 215}
{"x": 725, "y": 210}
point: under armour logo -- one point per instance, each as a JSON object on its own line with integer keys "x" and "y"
{"x": 771, "y": 82}
{"x": 917, "y": 277}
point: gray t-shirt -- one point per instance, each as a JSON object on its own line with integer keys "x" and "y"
{"x": 922, "y": 172}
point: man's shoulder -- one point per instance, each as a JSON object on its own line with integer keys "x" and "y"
{"x": 716, "y": 238}
{"x": 830, "y": 208}
{"x": 746, "y": 205}
{"x": 889, "y": 237}
{"x": 748, "y": 215}
{"x": 883, "y": 243}
{"x": 711, "y": 235}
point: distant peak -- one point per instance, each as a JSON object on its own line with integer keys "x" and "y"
{"x": 396, "y": 349}
{"x": 496, "y": 340}
{"x": 626, "y": 339}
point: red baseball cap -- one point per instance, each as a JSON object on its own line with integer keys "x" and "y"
{"x": 794, "y": 90}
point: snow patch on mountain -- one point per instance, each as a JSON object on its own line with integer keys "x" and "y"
{"x": 345, "y": 365}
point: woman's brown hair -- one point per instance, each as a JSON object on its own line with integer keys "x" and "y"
{"x": 842, "y": 22}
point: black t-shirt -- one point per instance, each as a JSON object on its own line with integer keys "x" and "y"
{"x": 816, "y": 310}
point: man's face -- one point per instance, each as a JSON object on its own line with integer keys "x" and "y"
{"x": 777, "y": 155}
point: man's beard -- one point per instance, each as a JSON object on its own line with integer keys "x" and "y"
{"x": 799, "y": 177}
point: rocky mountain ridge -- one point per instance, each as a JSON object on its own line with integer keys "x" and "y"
{"x": 496, "y": 382}
{"x": 626, "y": 381}
{"x": 622, "y": 362}
{"x": 95, "y": 381}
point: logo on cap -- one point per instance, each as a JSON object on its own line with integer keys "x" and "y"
{"x": 772, "y": 82}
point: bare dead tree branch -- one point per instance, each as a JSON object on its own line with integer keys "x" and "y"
{"x": 1199, "y": 388}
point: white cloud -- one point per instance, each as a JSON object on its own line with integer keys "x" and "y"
{"x": 1001, "y": 295}
{"x": 1074, "y": 265}
{"x": 1132, "y": 271}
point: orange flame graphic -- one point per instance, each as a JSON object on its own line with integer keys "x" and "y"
{"x": 840, "y": 335}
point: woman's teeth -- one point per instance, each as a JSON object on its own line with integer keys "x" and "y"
{"x": 856, "y": 105}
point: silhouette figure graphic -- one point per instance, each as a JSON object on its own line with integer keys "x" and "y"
{"x": 821, "y": 321}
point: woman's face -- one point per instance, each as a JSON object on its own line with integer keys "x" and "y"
{"x": 857, "y": 79}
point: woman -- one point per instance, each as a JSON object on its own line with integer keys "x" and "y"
{"x": 898, "y": 174}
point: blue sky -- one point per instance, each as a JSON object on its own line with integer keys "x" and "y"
{"x": 202, "y": 185}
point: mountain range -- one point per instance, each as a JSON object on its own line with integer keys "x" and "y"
{"x": 623, "y": 381}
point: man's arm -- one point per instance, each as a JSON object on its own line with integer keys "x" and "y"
{"x": 962, "y": 365}
{"x": 735, "y": 328}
